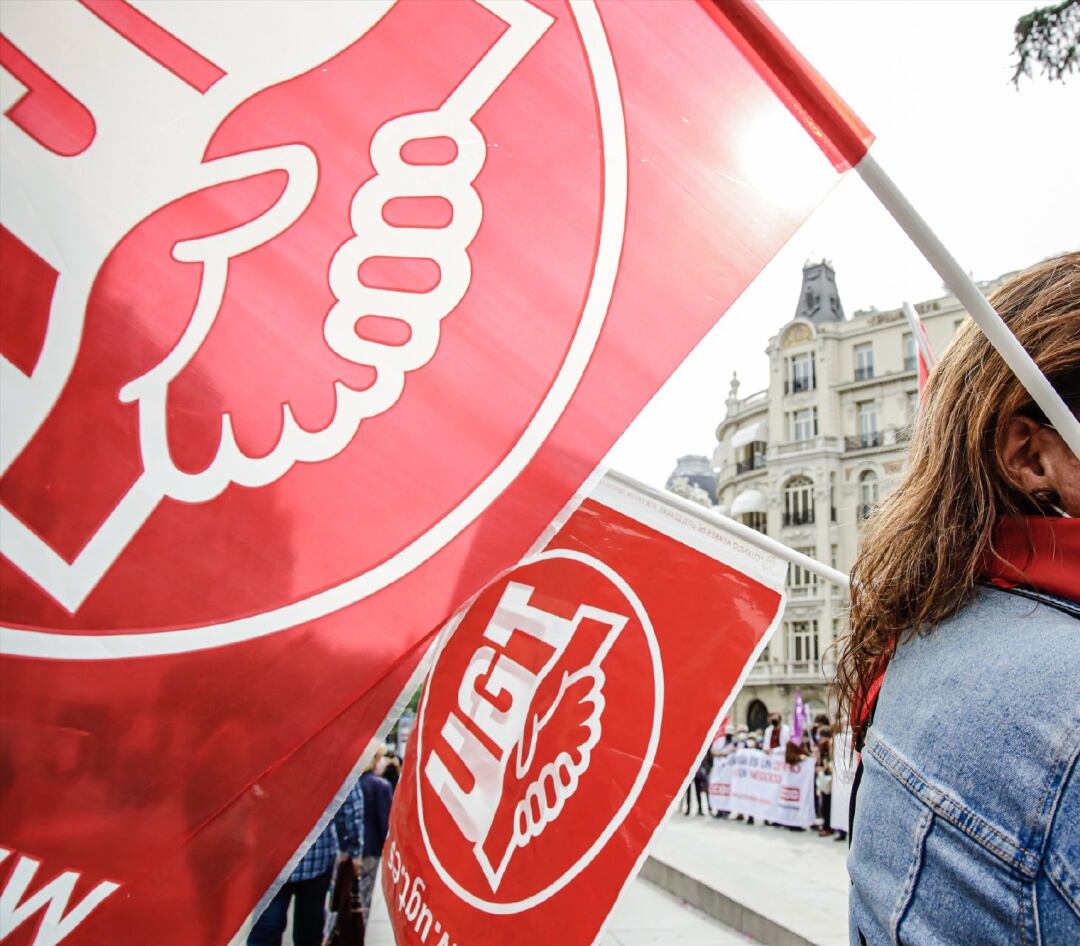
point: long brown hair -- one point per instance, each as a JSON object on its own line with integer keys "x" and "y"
{"x": 923, "y": 547}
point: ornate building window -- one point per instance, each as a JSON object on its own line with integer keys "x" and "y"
{"x": 911, "y": 407}
{"x": 802, "y": 582}
{"x": 910, "y": 359}
{"x": 799, "y": 501}
{"x": 864, "y": 361}
{"x": 756, "y": 521}
{"x": 868, "y": 424}
{"x": 802, "y": 641}
{"x": 868, "y": 493}
{"x": 803, "y": 424}
{"x": 800, "y": 373}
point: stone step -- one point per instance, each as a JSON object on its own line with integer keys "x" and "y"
{"x": 779, "y": 887}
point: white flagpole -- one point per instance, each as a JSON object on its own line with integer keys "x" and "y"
{"x": 917, "y": 333}
{"x": 965, "y": 290}
{"x": 748, "y": 535}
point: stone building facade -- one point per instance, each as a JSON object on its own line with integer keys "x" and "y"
{"x": 807, "y": 459}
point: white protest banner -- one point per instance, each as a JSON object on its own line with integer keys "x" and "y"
{"x": 720, "y": 783}
{"x": 761, "y": 785}
{"x": 794, "y": 805}
{"x": 844, "y": 766}
{"x": 755, "y": 782}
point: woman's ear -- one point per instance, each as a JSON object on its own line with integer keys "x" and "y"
{"x": 1022, "y": 453}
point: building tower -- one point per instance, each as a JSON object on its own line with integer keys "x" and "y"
{"x": 807, "y": 459}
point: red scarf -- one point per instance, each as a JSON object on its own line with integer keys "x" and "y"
{"x": 1040, "y": 552}
{"x": 1049, "y": 561}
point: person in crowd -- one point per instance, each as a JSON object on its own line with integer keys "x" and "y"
{"x": 777, "y": 737}
{"x": 966, "y": 607}
{"x": 794, "y": 754}
{"x": 777, "y": 734}
{"x": 699, "y": 784}
{"x": 721, "y": 749}
{"x": 309, "y": 881}
{"x": 377, "y": 796}
{"x": 753, "y": 741}
{"x": 823, "y": 774}
{"x": 392, "y": 770}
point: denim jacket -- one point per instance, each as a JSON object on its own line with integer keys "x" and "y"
{"x": 967, "y": 821}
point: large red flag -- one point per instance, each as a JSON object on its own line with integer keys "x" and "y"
{"x": 564, "y": 711}
{"x": 293, "y": 304}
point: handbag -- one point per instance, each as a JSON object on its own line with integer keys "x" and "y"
{"x": 346, "y": 911}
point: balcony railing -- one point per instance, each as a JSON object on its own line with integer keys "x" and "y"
{"x": 803, "y": 591}
{"x": 749, "y": 404}
{"x": 864, "y": 373}
{"x": 798, "y": 385}
{"x": 791, "y": 671}
{"x": 745, "y": 466}
{"x": 793, "y": 447}
{"x": 871, "y": 438}
{"x": 803, "y": 517}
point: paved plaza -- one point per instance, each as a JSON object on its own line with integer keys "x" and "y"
{"x": 722, "y": 883}
{"x": 644, "y": 916}
{"x": 784, "y": 888}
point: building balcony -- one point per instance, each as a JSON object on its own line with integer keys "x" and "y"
{"x": 790, "y": 671}
{"x": 864, "y": 441}
{"x": 864, "y": 374}
{"x": 893, "y": 438}
{"x": 729, "y": 474}
{"x": 869, "y": 378}
{"x": 748, "y": 405}
{"x": 804, "y": 518}
{"x": 811, "y": 444}
{"x": 803, "y": 592}
{"x": 745, "y": 466}
{"x": 799, "y": 385}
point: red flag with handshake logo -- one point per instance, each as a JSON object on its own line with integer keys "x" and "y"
{"x": 295, "y": 303}
{"x": 535, "y": 776}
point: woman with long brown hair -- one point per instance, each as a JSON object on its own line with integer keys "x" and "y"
{"x": 961, "y": 674}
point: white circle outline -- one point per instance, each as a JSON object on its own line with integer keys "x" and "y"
{"x": 88, "y": 646}
{"x": 582, "y": 862}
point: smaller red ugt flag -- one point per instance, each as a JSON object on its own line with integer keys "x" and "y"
{"x": 535, "y": 779}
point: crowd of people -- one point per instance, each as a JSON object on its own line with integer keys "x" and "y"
{"x": 814, "y": 741}
{"x": 356, "y": 832}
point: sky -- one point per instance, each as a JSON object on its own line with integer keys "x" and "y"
{"x": 992, "y": 169}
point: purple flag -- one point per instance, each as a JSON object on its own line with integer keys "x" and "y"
{"x": 798, "y": 716}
